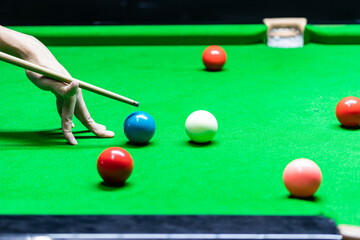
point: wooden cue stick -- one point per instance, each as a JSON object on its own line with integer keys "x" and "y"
{"x": 59, "y": 77}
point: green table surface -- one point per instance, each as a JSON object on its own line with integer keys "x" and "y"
{"x": 272, "y": 106}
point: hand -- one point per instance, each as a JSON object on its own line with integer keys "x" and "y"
{"x": 69, "y": 99}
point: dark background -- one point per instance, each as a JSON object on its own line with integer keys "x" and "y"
{"x": 110, "y": 12}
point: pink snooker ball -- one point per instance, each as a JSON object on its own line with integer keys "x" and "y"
{"x": 302, "y": 177}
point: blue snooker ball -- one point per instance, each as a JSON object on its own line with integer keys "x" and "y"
{"x": 139, "y": 127}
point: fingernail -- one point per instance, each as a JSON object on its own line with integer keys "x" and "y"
{"x": 73, "y": 141}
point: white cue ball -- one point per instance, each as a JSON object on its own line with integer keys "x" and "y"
{"x": 201, "y": 126}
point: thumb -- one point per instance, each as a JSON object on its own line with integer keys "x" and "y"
{"x": 71, "y": 89}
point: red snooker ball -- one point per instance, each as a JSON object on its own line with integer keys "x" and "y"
{"x": 348, "y": 111}
{"x": 302, "y": 177}
{"x": 115, "y": 165}
{"x": 214, "y": 58}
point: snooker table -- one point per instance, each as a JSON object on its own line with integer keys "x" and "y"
{"x": 272, "y": 106}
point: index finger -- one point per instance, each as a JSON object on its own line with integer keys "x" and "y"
{"x": 67, "y": 117}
